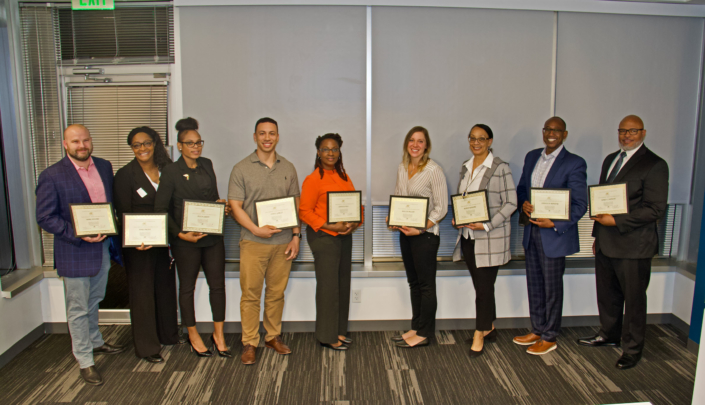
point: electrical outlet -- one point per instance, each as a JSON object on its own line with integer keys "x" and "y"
{"x": 357, "y": 296}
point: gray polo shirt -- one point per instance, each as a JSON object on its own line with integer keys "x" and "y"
{"x": 251, "y": 181}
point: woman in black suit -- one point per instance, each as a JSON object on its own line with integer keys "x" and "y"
{"x": 150, "y": 277}
{"x": 192, "y": 178}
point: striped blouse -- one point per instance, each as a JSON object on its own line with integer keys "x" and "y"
{"x": 431, "y": 183}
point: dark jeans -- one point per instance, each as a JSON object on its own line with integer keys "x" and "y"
{"x": 188, "y": 262}
{"x": 332, "y": 257}
{"x": 483, "y": 280}
{"x": 419, "y": 256}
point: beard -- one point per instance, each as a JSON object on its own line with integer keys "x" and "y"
{"x": 74, "y": 154}
{"x": 625, "y": 148}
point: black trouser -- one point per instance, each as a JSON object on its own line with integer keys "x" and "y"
{"x": 152, "y": 285}
{"x": 419, "y": 256}
{"x": 483, "y": 280}
{"x": 621, "y": 300}
{"x": 333, "y": 262}
{"x": 188, "y": 262}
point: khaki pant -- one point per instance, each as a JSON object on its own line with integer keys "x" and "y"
{"x": 260, "y": 263}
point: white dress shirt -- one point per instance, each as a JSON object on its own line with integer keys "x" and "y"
{"x": 543, "y": 166}
{"x": 471, "y": 182}
{"x": 630, "y": 153}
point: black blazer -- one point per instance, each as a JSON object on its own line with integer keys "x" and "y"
{"x": 636, "y": 233}
{"x": 174, "y": 188}
{"x": 128, "y": 180}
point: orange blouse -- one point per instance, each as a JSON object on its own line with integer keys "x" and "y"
{"x": 313, "y": 206}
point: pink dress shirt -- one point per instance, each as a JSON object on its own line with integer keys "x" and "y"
{"x": 92, "y": 181}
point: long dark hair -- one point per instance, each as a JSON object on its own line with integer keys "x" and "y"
{"x": 161, "y": 156}
{"x": 339, "y": 164}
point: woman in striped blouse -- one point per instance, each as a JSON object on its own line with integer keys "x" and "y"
{"x": 419, "y": 176}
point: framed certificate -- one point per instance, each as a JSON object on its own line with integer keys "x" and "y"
{"x": 471, "y": 207}
{"x": 344, "y": 206}
{"x": 280, "y": 213}
{"x": 93, "y": 219}
{"x": 551, "y": 203}
{"x": 408, "y": 211}
{"x": 203, "y": 216}
{"x": 148, "y": 228}
{"x": 608, "y": 199}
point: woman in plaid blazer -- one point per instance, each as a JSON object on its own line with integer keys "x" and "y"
{"x": 485, "y": 245}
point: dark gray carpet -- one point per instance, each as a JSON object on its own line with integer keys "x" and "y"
{"x": 373, "y": 371}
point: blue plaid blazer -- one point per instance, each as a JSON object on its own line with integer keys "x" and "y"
{"x": 60, "y": 185}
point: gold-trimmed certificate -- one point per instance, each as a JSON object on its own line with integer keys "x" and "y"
{"x": 280, "y": 213}
{"x": 551, "y": 203}
{"x": 148, "y": 228}
{"x": 93, "y": 219}
{"x": 203, "y": 216}
{"x": 344, "y": 206}
{"x": 408, "y": 211}
{"x": 470, "y": 207}
{"x": 608, "y": 199}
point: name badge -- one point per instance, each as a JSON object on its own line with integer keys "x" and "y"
{"x": 141, "y": 192}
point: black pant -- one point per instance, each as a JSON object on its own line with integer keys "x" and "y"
{"x": 419, "y": 256}
{"x": 152, "y": 285}
{"x": 188, "y": 262}
{"x": 483, "y": 280}
{"x": 333, "y": 263}
{"x": 621, "y": 300}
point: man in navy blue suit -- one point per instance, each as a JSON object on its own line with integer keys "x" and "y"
{"x": 546, "y": 242}
{"x": 82, "y": 262}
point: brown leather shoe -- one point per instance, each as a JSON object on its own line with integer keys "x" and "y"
{"x": 248, "y": 355}
{"x": 527, "y": 340}
{"x": 541, "y": 347}
{"x": 277, "y": 344}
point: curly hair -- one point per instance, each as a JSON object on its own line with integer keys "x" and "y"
{"x": 339, "y": 164}
{"x": 161, "y": 156}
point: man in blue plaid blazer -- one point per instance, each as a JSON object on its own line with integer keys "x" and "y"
{"x": 82, "y": 262}
{"x": 548, "y": 242}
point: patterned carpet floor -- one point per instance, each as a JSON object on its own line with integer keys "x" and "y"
{"x": 373, "y": 371}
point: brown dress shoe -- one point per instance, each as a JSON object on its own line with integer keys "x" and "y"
{"x": 248, "y": 354}
{"x": 527, "y": 340}
{"x": 278, "y": 345}
{"x": 541, "y": 347}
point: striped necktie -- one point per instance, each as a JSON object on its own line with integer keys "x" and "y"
{"x": 616, "y": 168}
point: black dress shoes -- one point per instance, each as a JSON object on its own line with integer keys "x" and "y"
{"x": 109, "y": 349}
{"x": 628, "y": 361}
{"x": 397, "y": 338}
{"x": 330, "y": 346}
{"x": 405, "y": 345}
{"x": 155, "y": 358}
{"x": 91, "y": 376}
{"x": 596, "y": 341}
{"x": 347, "y": 341}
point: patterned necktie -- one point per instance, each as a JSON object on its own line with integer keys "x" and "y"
{"x": 616, "y": 168}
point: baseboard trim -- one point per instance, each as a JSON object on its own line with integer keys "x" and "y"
{"x": 56, "y": 327}
{"x": 22, "y": 344}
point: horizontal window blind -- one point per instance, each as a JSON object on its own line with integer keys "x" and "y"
{"x": 111, "y": 112}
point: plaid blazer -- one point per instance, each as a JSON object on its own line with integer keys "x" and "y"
{"x": 58, "y": 186}
{"x": 493, "y": 248}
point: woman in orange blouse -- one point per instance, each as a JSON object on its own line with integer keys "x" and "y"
{"x": 331, "y": 244}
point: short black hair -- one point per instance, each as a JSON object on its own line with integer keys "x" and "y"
{"x": 555, "y": 117}
{"x": 266, "y": 119}
{"x": 184, "y": 125}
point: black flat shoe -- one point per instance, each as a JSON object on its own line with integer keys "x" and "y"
{"x": 405, "y": 345}
{"x": 628, "y": 361}
{"x": 221, "y": 353}
{"x": 155, "y": 358}
{"x": 91, "y": 376}
{"x": 347, "y": 341}
{"x": 330, "y": 346}
{"x": 109, "y": 349}
{"x": 397, "y": 338}
{"x": 207, "y": 353}
{"x": 596, "y": 341}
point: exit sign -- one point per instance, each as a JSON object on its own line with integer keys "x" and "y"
{"x": 92, "y": 4}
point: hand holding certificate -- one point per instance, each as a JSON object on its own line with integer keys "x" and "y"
{"x": 93, "y": 219}
{"x": 470, "y": 207}
{"x": 551, "y": 203}
{"x": 344, "y": 206}
{"x": 408, "y": 211}
{"x": 608, "y": 199}
{"x": 203, "y": 217}
{"x": 144, "y": 230}
{"x": 280, "y": 213}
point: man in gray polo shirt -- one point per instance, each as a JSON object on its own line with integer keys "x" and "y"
{"x": 265, "y": 252}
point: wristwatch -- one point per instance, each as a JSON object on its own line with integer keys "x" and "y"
{"x": 299, "y": 235}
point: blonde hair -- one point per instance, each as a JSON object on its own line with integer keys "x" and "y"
{"x": 406, "y": 159}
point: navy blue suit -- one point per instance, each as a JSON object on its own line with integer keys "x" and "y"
{"x": 546, "y": 248}
{"x": 58, "y": 186}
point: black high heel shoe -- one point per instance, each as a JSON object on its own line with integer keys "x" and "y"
{"x": 207, "y": 353}
{"x": 405, "y": 345}
{"x": 330, "y": 346}
{"x": 476, "y": 354}
{"x": 221, "y": 353}
{"x": 491, "y": 337}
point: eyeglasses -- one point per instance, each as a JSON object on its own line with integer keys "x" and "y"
{"x": 326, "y": 150}
{"x": 137, "y": 145}
{"x": 477, "y": 140}
{"x": 193, "y": 144}
{"x": 632, "y": 131}
{"x": 555, "y": 131}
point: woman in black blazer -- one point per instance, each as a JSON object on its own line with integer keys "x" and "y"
{"x": 150, "y": 277}
{"x": 192, "y": 178}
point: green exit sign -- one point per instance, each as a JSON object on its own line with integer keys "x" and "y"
{"x": 92, "y": 4}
